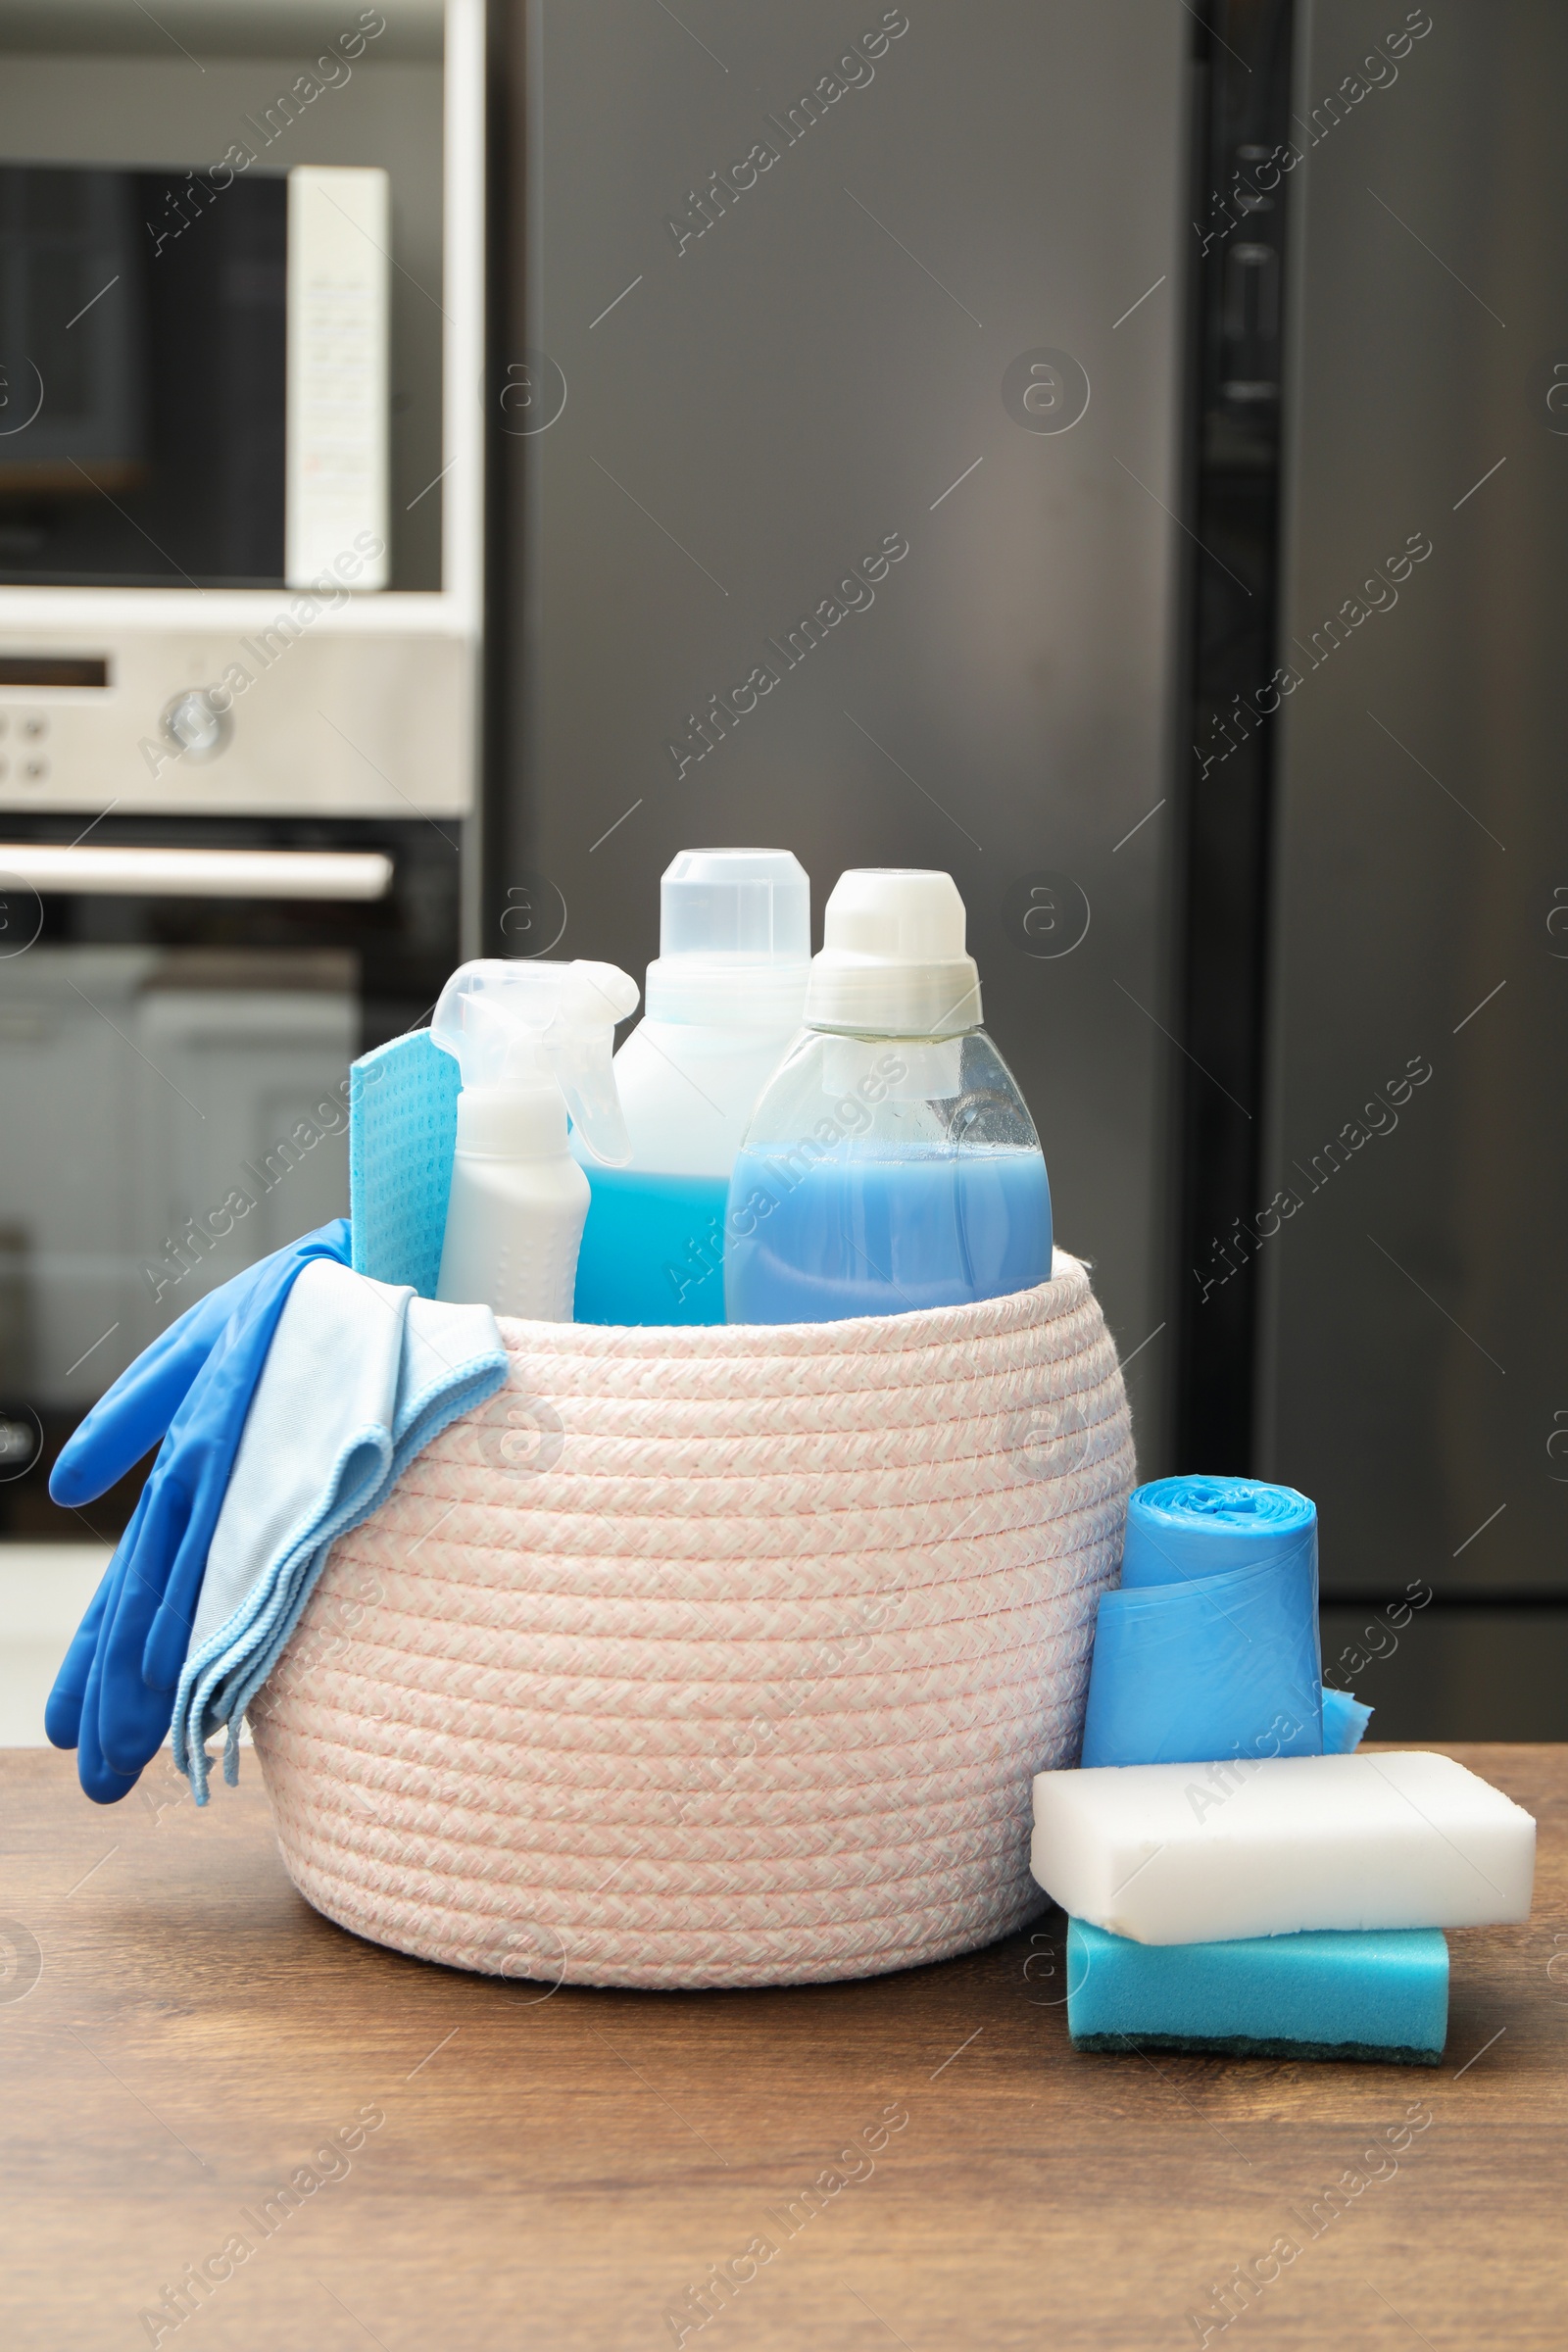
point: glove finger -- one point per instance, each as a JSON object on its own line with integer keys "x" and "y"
{"x": 130, "y": 1417}
{"x": 62, "y": 1713}
{"x": 131, "y": 1719}
{"x": 97, "y": 1776}
{"x": 169, "y": 1638}
{"x": 62, "y": 1716}
{"x": 134, "y": 1723}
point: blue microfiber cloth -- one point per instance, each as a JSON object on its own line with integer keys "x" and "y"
{"x": 361, "y": 1377}
{"x": 1324, "y": 1995}
{"x": 402, "y": 1130}
{"x": 1209, "y": 1649}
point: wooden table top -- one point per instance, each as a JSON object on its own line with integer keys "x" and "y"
{"x": 493, "y": 2166}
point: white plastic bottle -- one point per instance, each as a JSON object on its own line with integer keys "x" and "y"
{"x": 725, "y": 999}
{"x": 533, "y": 1040}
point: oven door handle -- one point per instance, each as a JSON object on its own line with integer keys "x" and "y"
{"x": 154, "y": 873}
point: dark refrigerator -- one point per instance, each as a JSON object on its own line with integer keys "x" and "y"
{"x": 1410, "y": 1367}
{"x": 845, "y": 353}
{"x": 1195, "y": 384}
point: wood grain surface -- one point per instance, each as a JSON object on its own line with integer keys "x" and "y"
{"x": 495, "y": 2166}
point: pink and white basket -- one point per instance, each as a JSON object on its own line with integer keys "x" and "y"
{"x": 714, "y": 1656}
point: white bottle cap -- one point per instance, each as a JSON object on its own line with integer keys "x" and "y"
{"x": 734, "y": 938}
{"x": 893, "y": 960}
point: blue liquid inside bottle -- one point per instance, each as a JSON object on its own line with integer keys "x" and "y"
{"x": 651, "y": 1248}
{"x": 884, "y": 1236}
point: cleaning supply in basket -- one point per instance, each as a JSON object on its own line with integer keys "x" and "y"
{"x": 403, "y": 1129}
{"x": 1167, "y": 1853}
{"x": 1322, "y": 1994}
{"x": 193, "y": 1388}
{"x": 362, "y": 1376}
{"x": 725, "y": 999}
{"x": 533, "y": 1041}
{"x": 1210, "y": 1646}
{"x": 890, "y": 1163}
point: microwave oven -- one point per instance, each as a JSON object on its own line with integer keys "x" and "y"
{"x": 193, "y": 376}
{"x": 242, "y": 420}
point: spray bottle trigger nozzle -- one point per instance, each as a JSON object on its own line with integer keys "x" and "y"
{"x": 528, "y": 1023}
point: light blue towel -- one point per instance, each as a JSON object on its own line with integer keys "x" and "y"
{"x": 362, "y": 1375}
{"x": 403, "y": 1128}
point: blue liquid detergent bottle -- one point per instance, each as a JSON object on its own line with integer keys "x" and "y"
{"x": 891, "y": 1162}
{"x": 725, "y": 999}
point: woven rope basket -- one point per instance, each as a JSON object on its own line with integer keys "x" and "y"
{"x": 714, "y": 1656}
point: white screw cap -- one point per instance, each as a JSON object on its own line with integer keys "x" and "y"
{"x": 894, "y": 961}
{"x": 734, "y": 940}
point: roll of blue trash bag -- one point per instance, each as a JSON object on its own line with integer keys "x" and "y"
{"x": 1209, "y": 1649}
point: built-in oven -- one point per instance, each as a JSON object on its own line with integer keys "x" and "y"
{"x": 180, "y": 1004}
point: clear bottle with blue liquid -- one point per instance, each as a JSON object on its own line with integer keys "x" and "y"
{"x": 891, "y": 1163}
{"x": 725, "y": 999}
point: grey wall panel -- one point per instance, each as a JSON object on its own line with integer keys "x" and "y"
{"x": 824, "y": 365}
{"x": 1413, "y": 1366}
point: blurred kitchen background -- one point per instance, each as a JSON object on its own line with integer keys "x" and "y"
{"x": 416, "y": 421}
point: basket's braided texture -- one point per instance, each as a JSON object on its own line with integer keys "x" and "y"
{"x": 714, "y": 1656}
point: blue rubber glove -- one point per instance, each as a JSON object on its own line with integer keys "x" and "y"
{"x": 130, "y": 1418}
{"x": 113, "y": 1696}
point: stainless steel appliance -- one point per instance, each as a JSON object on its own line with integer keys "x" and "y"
{"x": 1019, "y": 287}
{"x": 238, "y": 828}
{"x": 241, "y": 350}
{"x": 839, "y": 486}
{"x": 156, "y": 377}
{"x": 178, "y": 1008}
{"x": 204, "y": 404}
{"x": 1411, "y": 1371}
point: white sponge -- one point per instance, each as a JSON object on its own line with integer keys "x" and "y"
{"x": 1205, "y": 1853}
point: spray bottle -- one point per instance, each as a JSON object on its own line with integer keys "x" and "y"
{"x": 533, "y": 1041}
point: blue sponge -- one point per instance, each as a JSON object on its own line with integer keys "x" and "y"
{"x": 1328, "y": 1993}
{"x": 402, "y": 1130}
